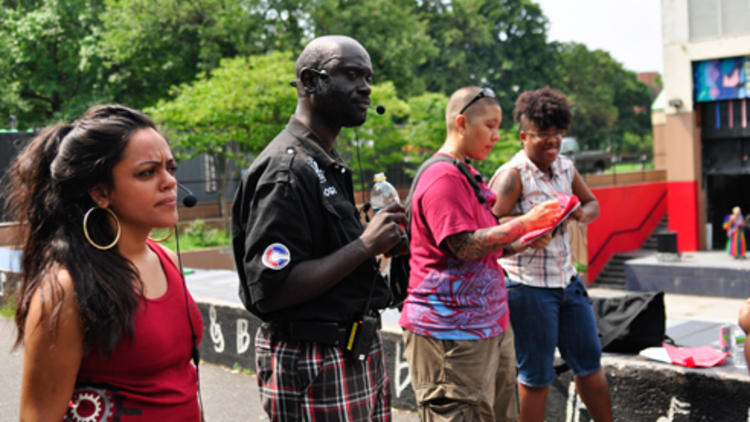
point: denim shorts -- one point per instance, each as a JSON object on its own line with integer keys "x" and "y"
{"x": 545, "y": 318}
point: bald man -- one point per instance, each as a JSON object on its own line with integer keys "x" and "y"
{"x": 457, "y": 338}
{"x": 306, "y": 263}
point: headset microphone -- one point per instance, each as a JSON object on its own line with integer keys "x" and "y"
{"x": 190, "y": 200}
{"x": 380, "y": 109}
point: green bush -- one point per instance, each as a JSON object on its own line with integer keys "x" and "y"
{"x": 197, "y": 235}
{"x": 580, "y": 267}
{"x": 8, "y": 309}
{"x": 637, "y": 144}
{"x": 630, "y": 167}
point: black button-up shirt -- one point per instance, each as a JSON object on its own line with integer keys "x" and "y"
{"x": 296, "y": 203}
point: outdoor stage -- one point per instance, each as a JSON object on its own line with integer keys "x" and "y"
{"x": 709, "y": 273}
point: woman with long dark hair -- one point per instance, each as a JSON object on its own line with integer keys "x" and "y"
{"x": 107, "y": 326}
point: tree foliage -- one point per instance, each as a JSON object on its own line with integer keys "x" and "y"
{"x": 235, "y": 109}
{"x": 425, "y": 131}
{"x": 500, "y": 44}
{"x": 230, "y": 113}
{"x": 381, "y": 141}
{"x": 391, "y": 31}
{"x": 607, "y": 100}
{"x": 47, "y": 69}
{"x": 425, "y": 128}
{"x": 149, "y": 46}
{"x": 216, "y": 72}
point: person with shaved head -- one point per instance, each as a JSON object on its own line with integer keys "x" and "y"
{"x": 306, "y": 264}
{"x": 457, "y": 339}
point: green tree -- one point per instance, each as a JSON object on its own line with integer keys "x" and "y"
{"x": 390, "y": 30}
{"x": 47, "y": 69}
{"x": 504, "y": 149}
{"x": 230, "y": 113}
{"x": 381, "y": 142}
{"x": 151, "y": 45}
{"x": 607, "y": 100}
{"x": 500, "y": 44}
{"x": 633, "y": 100}
{"x": 425, "y": 129}
{"x": 637, "y": 144}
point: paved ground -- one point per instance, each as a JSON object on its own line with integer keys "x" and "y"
{"x": 228, "y": 396}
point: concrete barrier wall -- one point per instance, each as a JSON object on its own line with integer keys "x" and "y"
{"x": 228, "y": 334}
{"x": 641, "y": 390}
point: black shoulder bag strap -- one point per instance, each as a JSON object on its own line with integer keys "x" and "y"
{"x": 400, "y": 264}
{"x": 461, "y": 167}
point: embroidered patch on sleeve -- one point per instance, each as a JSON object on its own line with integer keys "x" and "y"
{"x": 276, "y": 256}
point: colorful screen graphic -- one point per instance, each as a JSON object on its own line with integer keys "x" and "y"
{"x": 724, "y": 79}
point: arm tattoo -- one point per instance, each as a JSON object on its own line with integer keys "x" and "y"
{"x": 476, "y": 244}
{"x": 508, "y": 182}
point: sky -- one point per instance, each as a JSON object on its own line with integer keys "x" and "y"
{"x": 630, "y": 30}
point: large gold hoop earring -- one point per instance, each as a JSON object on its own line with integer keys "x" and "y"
{"x": 86, "y": 231}
{"x": 161, "y": 239}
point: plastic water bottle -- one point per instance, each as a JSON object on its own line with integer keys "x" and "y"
{"x": 383, "y": 193}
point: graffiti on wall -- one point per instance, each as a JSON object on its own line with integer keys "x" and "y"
{"x": 217, "y": 337}
{"x": 676, "y": 407}
{"x": 229, "y": 338}
{"x": 401, "y": 374}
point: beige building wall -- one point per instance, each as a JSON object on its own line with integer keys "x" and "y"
{"x": 658, "y": 124}
{"x": 680, "y": 52}
{"x": 683, "y": 161}
{"x": 659, "y": 146}
{"x": 680, "y": 135}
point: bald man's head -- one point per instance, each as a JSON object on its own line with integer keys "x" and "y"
{"x": 460, "y": 99}
{"x": 334, "y": 74}
{"x": 322, "y": 50}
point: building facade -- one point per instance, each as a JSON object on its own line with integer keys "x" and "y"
{"x": 701, "y": 135}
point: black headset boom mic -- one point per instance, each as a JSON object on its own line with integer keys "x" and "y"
{"x": 380, "y": 109}
{"x": 189, "y": 200}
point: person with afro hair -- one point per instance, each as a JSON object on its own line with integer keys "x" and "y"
{"x": 549, "y": 305}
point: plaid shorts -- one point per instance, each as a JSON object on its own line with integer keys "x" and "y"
{"x": 305, "y": 381}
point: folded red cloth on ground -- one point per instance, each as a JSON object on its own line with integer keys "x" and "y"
{"x": 568, "y": 204}
{"x": 703, "y": 356}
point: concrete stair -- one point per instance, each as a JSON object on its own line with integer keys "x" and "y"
{"x": 613, "y": 274}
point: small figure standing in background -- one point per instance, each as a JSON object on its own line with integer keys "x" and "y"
{"x": 735, "y": 234}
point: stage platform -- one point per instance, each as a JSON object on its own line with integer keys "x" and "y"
{"x": 711, "y": 273}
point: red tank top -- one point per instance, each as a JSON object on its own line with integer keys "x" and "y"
{"x": 152, "y": 377}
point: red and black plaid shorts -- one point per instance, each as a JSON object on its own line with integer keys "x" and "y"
{"x": 305, "y": 381}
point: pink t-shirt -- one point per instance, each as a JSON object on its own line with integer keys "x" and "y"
{"x": 451, "y": 299}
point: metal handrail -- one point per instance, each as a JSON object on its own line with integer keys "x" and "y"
{"x": 619, "y": 232}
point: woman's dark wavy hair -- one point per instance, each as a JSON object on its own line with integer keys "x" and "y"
{"x": 544, "y": 108}
{"x": 48, "y": 193}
